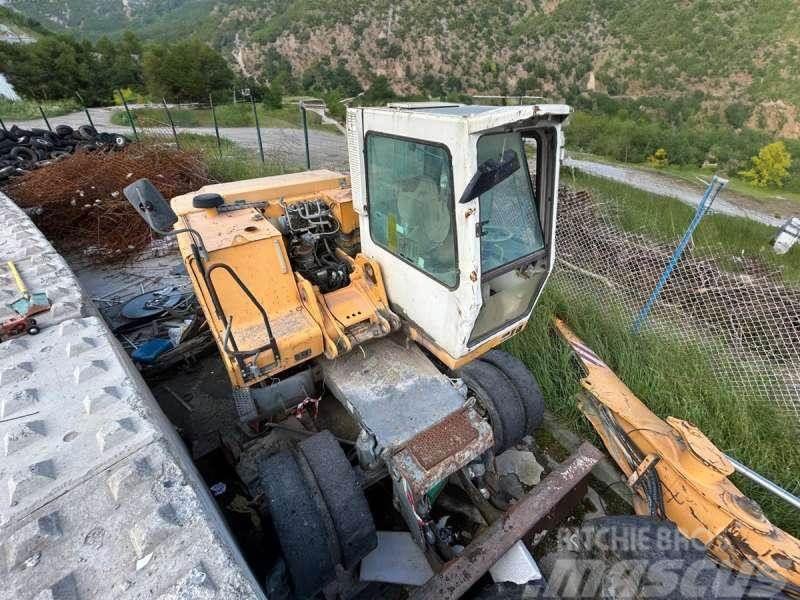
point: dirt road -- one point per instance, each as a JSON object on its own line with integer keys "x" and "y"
{"x": 285, "y": 146}
{"x": 727, "y": 203}
{"x": 282, "y": 145}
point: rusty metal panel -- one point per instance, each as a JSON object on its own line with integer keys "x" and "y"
{"x": 447, "y": 447}
{"x": 460, "y": 574}
{"x": 443, "y": 439}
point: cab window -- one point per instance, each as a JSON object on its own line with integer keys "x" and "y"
{"x": 411, "y": 204}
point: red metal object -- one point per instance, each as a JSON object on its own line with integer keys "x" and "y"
{"x": 18, "y": 326}
{"x": 461, "y": 573}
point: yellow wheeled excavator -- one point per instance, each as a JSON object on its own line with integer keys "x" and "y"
{"x": 387, "y": 290}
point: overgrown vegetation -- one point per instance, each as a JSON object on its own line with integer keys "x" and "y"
{"x": 666, "y": 219}
{"x": 228, "y": 115}
{"x": 672, "y": 378}
{"x": 233, "y": 163}
{"x": 631, "y": 137}
{"x": 26, "y": 109}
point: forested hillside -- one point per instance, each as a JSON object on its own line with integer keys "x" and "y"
{"x": 700, "y": 57}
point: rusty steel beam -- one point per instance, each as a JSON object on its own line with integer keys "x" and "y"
{"x": 461, "y": 573}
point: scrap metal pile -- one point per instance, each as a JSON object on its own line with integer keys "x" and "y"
{"x": 23, "y": 150}
{"x": 77, "y": 201}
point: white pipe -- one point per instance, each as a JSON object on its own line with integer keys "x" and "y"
{"x": 765, "y": 483}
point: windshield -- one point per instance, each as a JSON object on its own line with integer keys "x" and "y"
{"x": 509, "y": 219}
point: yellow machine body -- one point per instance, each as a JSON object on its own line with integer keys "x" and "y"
{"x": 240, "y": 237}
{"x": 697, "y": 494}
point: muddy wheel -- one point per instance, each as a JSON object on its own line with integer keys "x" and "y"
{"x": 304, "y": 529}
{"x": 318, "y": 510}
{"x": 499, "y": 398}
{"x": 525, "y": 383}
{"x": 352, "y": 520}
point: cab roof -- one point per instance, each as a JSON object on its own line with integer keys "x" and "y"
{"x": 478, "y": 117}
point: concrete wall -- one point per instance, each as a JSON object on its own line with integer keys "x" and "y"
{"x": 98, "y": 496}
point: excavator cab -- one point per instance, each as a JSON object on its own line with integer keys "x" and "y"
{"x": 457, "y": 204}
{"x": 385, "y": 291}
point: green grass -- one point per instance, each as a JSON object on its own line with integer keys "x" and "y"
{"x": 666, "y": 219}
{"x": 24, "y": 110}
{"x": 765, "y": 196}
{"x": 228, "y": 115}
{"x": 735, "y": 184}
{"x": 672, "y": 378}
{"x": 234, "y": 164}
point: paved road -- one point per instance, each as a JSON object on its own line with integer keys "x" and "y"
{"x": 727, "y": 203}
{"x": 282, "y": 145}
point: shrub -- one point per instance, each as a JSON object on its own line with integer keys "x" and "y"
{"x": 770, "y": 167}
{"x": 658, "y": 158}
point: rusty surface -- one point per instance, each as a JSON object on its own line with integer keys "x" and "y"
{"x": 445, "y": 438}
{"x": 78, "y": 204}
{"x": 460, "y": 574}
{"x": 454, "y": 456}
{"x": 698, "y": 497}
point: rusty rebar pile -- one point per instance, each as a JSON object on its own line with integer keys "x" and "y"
{"x": 78, "y": 203}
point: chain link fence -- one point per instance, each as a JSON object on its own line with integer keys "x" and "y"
{"x": 742, "y": 314}
{"x": 276, "y": 137}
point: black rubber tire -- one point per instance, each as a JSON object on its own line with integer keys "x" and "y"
{"x": 64, "y": 130}
{"x": 59, "y": 154}
{"x": 343, "y": 496}
{"x": 36, "y": 132}
{"x": 501, "y": 400}
{"x": 301, "y": 529}
{"x": 6, "y": 172}
{"x": 207, "y": 201}
{"x": 529, "y": 391}
{"x": 511, "y": 591}
{"x": 87, "y": 132}
{"x": 120, "y": 141}
{"x": 18, "y": 132}
{"x": 41, "y": 142}
{"x": 23, "y": 153}
{"x": 105, "y": 138}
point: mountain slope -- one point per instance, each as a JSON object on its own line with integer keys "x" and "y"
{"x": 716, "y": 51}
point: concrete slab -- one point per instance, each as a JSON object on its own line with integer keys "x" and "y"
{"x": 98, "y": 496}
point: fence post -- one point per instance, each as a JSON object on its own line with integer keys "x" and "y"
{"x": 3, "y": 125}
{"x": 44, "y": 116}
{"x": 258, "y": 129}
{"x": 714, "y": 187}
{"x": 216, "y": 127}
{"x": 305, "y": 134}
{"x": 172, "y": 123}
{"x": 86, "y": 111}
{"x": 130, "y": 116}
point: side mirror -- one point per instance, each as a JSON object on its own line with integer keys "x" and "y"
{"x": 489, "y": 174}
{"x": 151, "y": 205}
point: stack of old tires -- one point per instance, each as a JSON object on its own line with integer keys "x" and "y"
{"x": 22, "y": 150}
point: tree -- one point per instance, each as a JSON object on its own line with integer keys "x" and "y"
{"x": 55, "y": 67}
{"x": 273, "y": 95}
{"x": 770, "y": 167}
{"x": 187, "y": 70}
{"x": 380, "y": 91}
{"x": 736, "y": 114}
